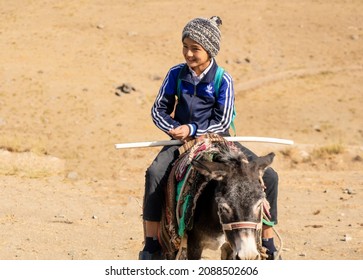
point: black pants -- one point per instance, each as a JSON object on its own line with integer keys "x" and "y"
{"x": 157, "y": 175}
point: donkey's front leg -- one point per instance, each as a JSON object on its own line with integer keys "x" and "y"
{"x": 195, "y": 248}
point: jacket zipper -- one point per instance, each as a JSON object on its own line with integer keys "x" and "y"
{"x": 191, "y": 103}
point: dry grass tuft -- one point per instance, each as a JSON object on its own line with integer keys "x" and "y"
{"x": 327, "y": 151}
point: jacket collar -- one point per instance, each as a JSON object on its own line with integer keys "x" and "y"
{"x": 186, "y": 75}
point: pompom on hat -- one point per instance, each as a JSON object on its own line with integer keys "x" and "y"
{"x": 205, "y": 32}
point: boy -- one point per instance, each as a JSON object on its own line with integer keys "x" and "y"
{"x": 198, "y": 111}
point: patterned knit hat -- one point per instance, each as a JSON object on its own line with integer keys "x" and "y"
{"x": 205, "y": 32}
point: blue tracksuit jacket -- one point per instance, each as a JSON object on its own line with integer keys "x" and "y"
{"x": 198, "y": 105}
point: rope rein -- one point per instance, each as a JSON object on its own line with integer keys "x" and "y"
{"x": 279, "y": 250}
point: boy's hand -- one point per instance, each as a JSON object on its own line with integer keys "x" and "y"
{"x": 180, "y": 133}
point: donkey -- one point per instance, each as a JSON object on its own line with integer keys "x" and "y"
{"x": 229, "y": 211}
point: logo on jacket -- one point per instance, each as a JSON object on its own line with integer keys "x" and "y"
{"x": 209, "y": 89}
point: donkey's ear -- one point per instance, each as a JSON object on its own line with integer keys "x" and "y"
{"x": 211, "y": 170}
{"x": 262, "y": 162}
{"x": 266, "y": 160}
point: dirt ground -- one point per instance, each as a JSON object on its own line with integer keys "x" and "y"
{"x": 67, "y": 193}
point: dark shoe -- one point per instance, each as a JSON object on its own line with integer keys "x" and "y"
{"x": 145, "y": 255}
{"x": 275, "y": 256}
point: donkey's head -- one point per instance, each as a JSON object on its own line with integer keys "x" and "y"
{"x": 239, "y": 198}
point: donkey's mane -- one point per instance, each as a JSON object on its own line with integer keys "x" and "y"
{"x": 230, "y": 155}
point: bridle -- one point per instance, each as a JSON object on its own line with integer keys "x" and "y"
{"x": 257, "y": 227}
{"x": 245, "y": 224}
{"x": 241, "y": 225}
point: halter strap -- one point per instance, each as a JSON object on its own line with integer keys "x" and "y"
{"x": 238, "y": 225}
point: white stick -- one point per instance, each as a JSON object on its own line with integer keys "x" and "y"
{"x": 178, "y": 142}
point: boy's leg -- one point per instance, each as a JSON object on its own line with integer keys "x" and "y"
{"x": 270, "y": 179}
{"x": 156, "y": 177}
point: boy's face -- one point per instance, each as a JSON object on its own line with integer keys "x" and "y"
{"x": 195, "y": 55}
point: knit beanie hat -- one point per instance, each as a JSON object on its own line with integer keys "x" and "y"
{"x": 205, "y": 32}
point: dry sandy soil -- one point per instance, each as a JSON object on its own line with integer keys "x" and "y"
{"x": 67, "y": 193}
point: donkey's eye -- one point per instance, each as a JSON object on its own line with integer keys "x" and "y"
{"x": 224, "y": 209}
